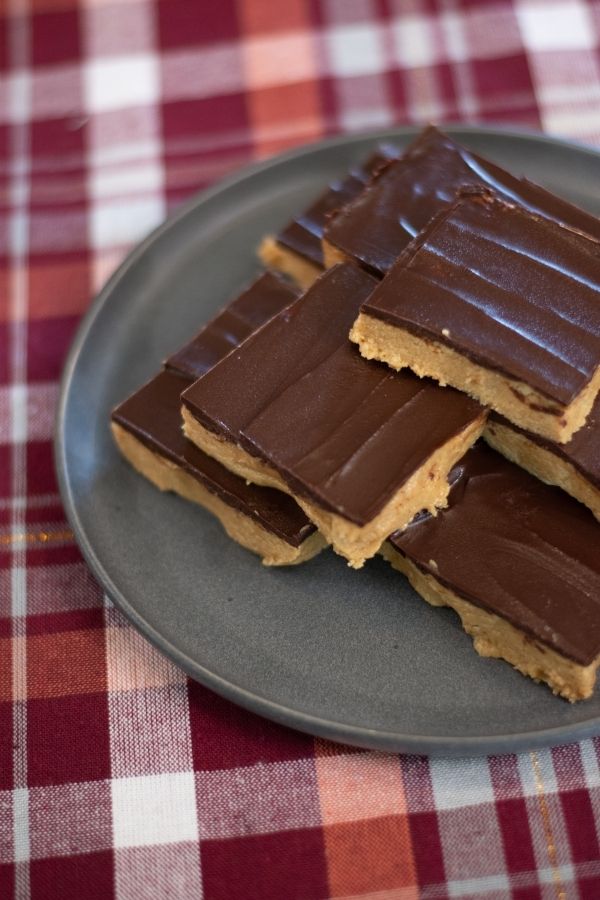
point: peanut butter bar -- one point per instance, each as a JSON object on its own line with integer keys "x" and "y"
{"x": 147, "y": 430}
{"x": 297, "y": 250}
{"x": 518, "y": 561}
{"x": 360, "y": 448}
{"x": 374, "y": 228}
{"x": 575, "y": 466}
{"x": 501, "y": 304}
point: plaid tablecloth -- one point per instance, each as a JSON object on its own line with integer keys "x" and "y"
{"x": 118, "y": 776}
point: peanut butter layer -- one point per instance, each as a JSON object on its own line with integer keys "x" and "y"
{"x": 342, "y": 433}
{"x": 582, "y": 451}
{"x": 243, "y": 528}
{"x": 302, "y": 271}
{"x": 258, "y": 303}
{"x": 500, "y": 303}
{"x": 574, "y": 466}
{"x": 374, "y": 229}
{"x": 520, "y": 549}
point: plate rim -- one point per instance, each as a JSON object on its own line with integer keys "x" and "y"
{"x": 337, "y": 731}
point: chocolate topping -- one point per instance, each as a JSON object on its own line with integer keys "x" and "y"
{"x": 399, "y": 202}
{"x": 304, "y": 234}
{"x": 509, "y": 289}
{"x": 265, "y": 297}
{"x": 524, "y": 550}
{"x": 152, "y": 415}
{"x": 341, "y": 431}
{"x": 582, "y": 451}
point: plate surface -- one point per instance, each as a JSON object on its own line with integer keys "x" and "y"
{"x": 351, "y": 656}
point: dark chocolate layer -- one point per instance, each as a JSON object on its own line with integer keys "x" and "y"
{"x": 582, "y": 451}
{"x": 342, "y": 432}
{"x": 152, "y": 415}
{"x": 524, "y": 550}
{"x": 377, "y": 226}
{"x": 303, "y": 234}
{"x": 510, "y": 290}
{"x": 263, "y": 299}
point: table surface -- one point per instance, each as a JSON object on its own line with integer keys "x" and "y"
{"x": 119, "y": 777}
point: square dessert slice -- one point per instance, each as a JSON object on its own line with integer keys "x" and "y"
{"x": 499, "y": 303}
{"x": 373, "y": 229}
{"x": 361, "y": 448}
{"x": 518, "y": 560}
{"x": 297, "y": 250}
{"x": 574, "y": 466}
{"x": 147, "y": 430}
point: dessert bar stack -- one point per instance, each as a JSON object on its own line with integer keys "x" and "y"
{"x": 444, "y": 299}
{"x": 360, "y": 448}
{"x": 147, "y": 430}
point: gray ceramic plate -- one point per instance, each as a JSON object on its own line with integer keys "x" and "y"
{"x": 351, "y": 656}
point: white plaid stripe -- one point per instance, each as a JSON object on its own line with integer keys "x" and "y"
{"x": 138, "y": 129}
{"x": 127, "y": 200}
{"x": 471, "y": 842}
{"x": 154, "y": 809}
{"x": 211, "y": 71}
{"x": 423, "y": 97}
{"x": 116, "y": 29}
{"x": 158, "y": 872}
{"x": 473, "y": 787}
{"x": 355, "y": 50}
{"x": 18, "y": 104}
{"x": 364, "y": 103}
{"x": 458, "y": 53}
{"x": 492, "y": 887}
{"x": 492, "y": 20}
{"x": 469, "y": 829}
{"x": 62, "y": 587}
{"x": 131, "y": 662}
{"x": 30, "y": 408}
{"x": 15, "y": 398}
{"x": 150, "y": 731}
{"x": 118, "y": 183}
{"x": 554, "y": 26}
{"x": 38, "y": 502}
{"x": 120, "y": 222}
{"x": 548, "y": 832}
{"x": 115, "y": 82}
{"x": 349, "y": 11}
{"x": 70, "y": 818}
{"x": 536, "y": 769}
{"x": 414, "y": 41}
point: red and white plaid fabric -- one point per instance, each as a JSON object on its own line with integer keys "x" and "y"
{"x": 118, "y": 776}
